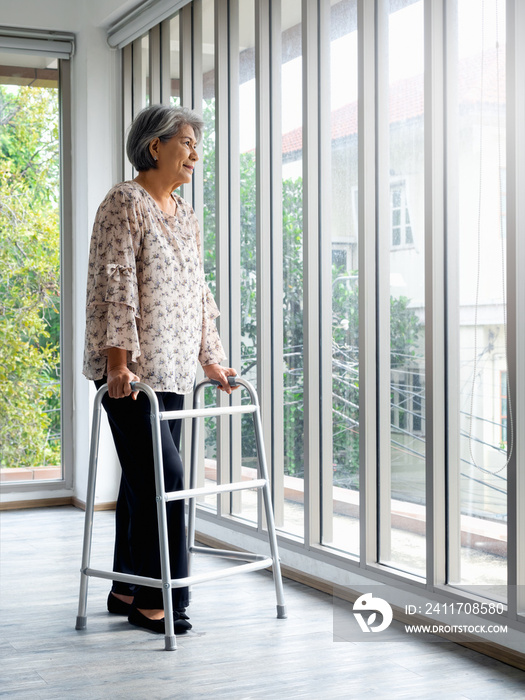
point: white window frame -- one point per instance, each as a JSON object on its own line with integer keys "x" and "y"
{"x": 56, "y": 491}
{"x": 309, "y": 555}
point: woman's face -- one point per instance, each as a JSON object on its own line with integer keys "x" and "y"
{"x": 176, "y": 158}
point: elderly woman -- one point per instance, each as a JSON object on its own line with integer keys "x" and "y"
{"x": 150, "y": 318}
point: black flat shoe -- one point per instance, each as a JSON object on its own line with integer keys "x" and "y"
{"x": 182, "y": 614}
{"x": 136, "y": 618}
{"x": 117, "y": 606}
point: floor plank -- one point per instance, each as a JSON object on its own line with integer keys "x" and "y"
{"x": 237, "y": 650}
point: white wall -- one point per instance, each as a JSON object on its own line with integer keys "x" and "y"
{"x": 64, "y": 15}
{"x": 96, "y": 158}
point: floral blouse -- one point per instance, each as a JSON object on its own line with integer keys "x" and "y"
{"x": 146, "y": 292}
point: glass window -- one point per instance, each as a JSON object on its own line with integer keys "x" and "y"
{"x": 245, "y": 503}
{"x": 174, "y": 60}
{"x": 402, "y": 455}
{"x": 478, "y": 428}
{"x": 208, "y": 222}
{"x": 478, "y": 411}
{"x": 292, "y": 207}
{"x": 345, "y": 298}
{"x": 30, "y": 400}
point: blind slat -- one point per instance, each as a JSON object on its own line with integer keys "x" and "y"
{"x": 141, "y": 20}
{"x": 39, "y": 43}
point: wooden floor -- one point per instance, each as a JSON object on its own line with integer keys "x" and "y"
{"x": 237, "y": 649}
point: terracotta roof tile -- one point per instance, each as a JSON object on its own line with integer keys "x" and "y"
{"x": 407, "y": 97}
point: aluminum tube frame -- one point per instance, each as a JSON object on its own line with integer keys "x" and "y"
{"x": 311, "y": 332}
{"x": 210, "y": 490}
{"x": 206, "y": 412}
{"x": 169, "y": 637}
{"x": 127, "y": 105}
{"x": 367, "y": 285}
{"x": 254, "y": 562}
{"x": 139, "y": 66}
{"x": 383, "y": 376}
{"x": 162, "y": 518}
{"x": 155, "y": 64}
{"x": 515, "y": 113}
{"x": 228, "y": 554}
{"x": 251, "y": 565}
{"x": 262, "y": 470}
{"x": 434, "y": 293}
{"x": 90, "y": 506}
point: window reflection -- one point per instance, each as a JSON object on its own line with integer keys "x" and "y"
{"x": 292, "y": 208}
{"x": 402, "y": 457}
{"x": 344, "y": 532}
{"x": 477, "y": 266}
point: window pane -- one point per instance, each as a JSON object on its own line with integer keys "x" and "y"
{"x": 175, "y": 60}
{"x": 478, "y": 358}
{"x": 396, "y": 217}
{"x": 209, "y": 221}
{"x": 144, "y": 43}
{"x": 248, "y": 292}
{"x": 292, "y": 203}
{"x": 30, "y": 425}
{"x": 402, "y": 456}
{"x": 345, "y": 311}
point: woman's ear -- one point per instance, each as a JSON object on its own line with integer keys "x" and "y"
{"x": 154, "y": 148}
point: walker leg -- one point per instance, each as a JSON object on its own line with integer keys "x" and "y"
{"x": 81, "y": 622}
{"x": 192, "y": 502}
{"x": 193, "y": 481}
{"x": 170, "y": 643}
{"x": 169, "y": 625}
{"x": 272, "y": 537}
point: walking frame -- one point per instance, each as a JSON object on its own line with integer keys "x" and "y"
{"x": 253, "y": 562}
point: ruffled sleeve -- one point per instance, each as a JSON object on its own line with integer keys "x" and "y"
{"x": 113, "y": 307}
{"x": 211, "y": 350}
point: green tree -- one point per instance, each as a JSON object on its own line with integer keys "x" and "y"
{"x": 405, "y": 326}
{"x": 29, "y": 277}
{"x": 404, "y": 335}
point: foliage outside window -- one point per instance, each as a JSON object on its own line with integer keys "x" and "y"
{"x": 29, "y": 277}
{"x": 405, "y": 326}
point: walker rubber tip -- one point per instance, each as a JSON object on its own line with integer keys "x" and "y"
{"x": 81, "y": 623}
{"x": 170, "y": 643}
{"x": 281, "y": 612}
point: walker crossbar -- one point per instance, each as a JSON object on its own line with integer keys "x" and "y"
{"x": 227, "y": 553}
{"x": 253, "y": 562}
{"x": 206, "y": 412}
{"x": 124, "y": 578}
{"x": 219, "y": 488}
{"x": 260, "y": 563}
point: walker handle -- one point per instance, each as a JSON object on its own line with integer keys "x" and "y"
{"x": 232, "y": 381}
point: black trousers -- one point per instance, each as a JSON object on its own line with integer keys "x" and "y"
{"x": 136, "y": 532}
